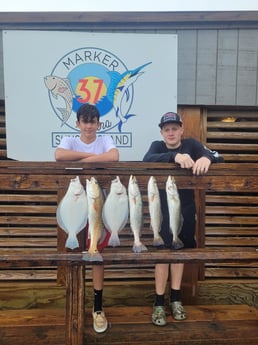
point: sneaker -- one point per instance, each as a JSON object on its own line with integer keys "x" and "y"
{"x": 177, "y": 311}
{"x": 100, "y": 323}
{"x": 159, "y": 316}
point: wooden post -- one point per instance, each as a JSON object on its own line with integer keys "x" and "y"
{"x": 75, "y": 302}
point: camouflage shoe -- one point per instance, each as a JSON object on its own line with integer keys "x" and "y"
{"x": 178, "y": 311}
{"x": 159, "y": 316}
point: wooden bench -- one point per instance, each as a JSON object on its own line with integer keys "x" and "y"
{"x": 53, "y": 178}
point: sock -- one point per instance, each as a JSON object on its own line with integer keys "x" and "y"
{"x": 97, "y": 300}
{"x": 160, "y": 300}
{"x": 174, "y": 295}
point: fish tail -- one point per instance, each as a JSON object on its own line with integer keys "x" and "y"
{"x": 139, "y": 247}
{"x": 177, "y": 244}
{"x": 158, "y": 241}
{"x": 87, "y": 256}
{"x": 72, "y": 241}
{"x": 114, "y": 240}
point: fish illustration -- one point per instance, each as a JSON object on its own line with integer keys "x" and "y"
{"x": 96, "y": 228}
{"x": 119, "y": 91}
{"x": 174, "y": 208}
{"x": 136, "y": 213}
{"x": 122, "y": 97}
{"x": 72, "y": 212}
{"x": 61, "y": 87}
{"x": 115, "y": 211}
{"x": 155, "y": 211}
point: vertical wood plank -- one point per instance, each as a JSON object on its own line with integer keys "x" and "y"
{"x": 247, "y": 68}
{"x": 206, "y": 66}
{"x": 192, "y": 121}
{"x": 75, "y": 301}
{"x": 187, "y": 52}
{"x": 227, "y": 67}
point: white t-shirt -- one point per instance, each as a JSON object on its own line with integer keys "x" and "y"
{"x": 102, "y": 144}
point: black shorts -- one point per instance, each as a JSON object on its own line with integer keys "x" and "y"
{"x": 188, "y": 210}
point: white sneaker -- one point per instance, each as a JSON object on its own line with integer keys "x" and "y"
{"x": 100, "y": 323}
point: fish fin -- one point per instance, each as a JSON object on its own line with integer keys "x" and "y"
{"x": 71, "y": 241}
{"x": 96, "y": 257}
{"x": 59, "y": 220}
{"x": 128, "y": 116}
{"x": 87, "y": 256}
{"x": 65, "y": 115}
{"x": 114, "y": 240}
{"x": 158, "y": 242}
{"x": 54, "y": 95}
{"x": 177, "y": 244}
{"x": 62, "y": 89}
{"x": 119, "y": 126}
{"x": 139, "y": 248}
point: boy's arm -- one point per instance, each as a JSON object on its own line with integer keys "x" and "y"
{"x": 110, "y": 156}
{"x": 70, "y": 155}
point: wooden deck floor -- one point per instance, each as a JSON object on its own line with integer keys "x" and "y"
{"x": 212, "y": 324}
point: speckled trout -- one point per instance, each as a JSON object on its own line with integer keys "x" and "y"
{"x": 115, "y": 211}
{"x": 155, "y": 211}
{"x": 72, "y": 212}
{"x": 174, "y": 208}
{"x": 96, "y": 227}
{"x": 136, "y": 213}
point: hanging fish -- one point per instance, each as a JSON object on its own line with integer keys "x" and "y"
{"x": 155, "y": 211}
{"x": 136, "y": 213}
{"x": 72, "y": 212}
{"x": 115, "y": 211}
{"x": 96, "y": 228}
{"x": 174, "y": 208}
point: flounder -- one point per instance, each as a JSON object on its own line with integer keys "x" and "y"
{"x": 72, "y": 212}
{"x": 115, "y": 211}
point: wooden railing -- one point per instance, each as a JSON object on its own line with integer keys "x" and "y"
{"x": 52, "y": 176}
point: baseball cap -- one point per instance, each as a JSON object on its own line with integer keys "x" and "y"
{"x": 170, "y": 117}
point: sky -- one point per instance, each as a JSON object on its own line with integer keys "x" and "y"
{"x": 126, "y": 5}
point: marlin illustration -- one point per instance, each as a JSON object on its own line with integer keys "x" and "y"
{"x": 119, "y": 90}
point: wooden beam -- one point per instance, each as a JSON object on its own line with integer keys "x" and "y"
{"x": 113, "y": 256}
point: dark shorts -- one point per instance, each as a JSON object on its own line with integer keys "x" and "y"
{"x": 187, "y": 233}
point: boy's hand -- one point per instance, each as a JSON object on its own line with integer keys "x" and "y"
{"x": 201, "y": 166}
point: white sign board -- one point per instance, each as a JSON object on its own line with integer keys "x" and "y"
{"x": 130, "y": 77}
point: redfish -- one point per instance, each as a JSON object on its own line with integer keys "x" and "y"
{"x": 136, "y": 213}
{"x": 155, "y": 211}
{"x": 96, "y": 228}
{"x": 115, "y": 211}
{"x": 72, "y": 212}
{"x": 174, "y": 208}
